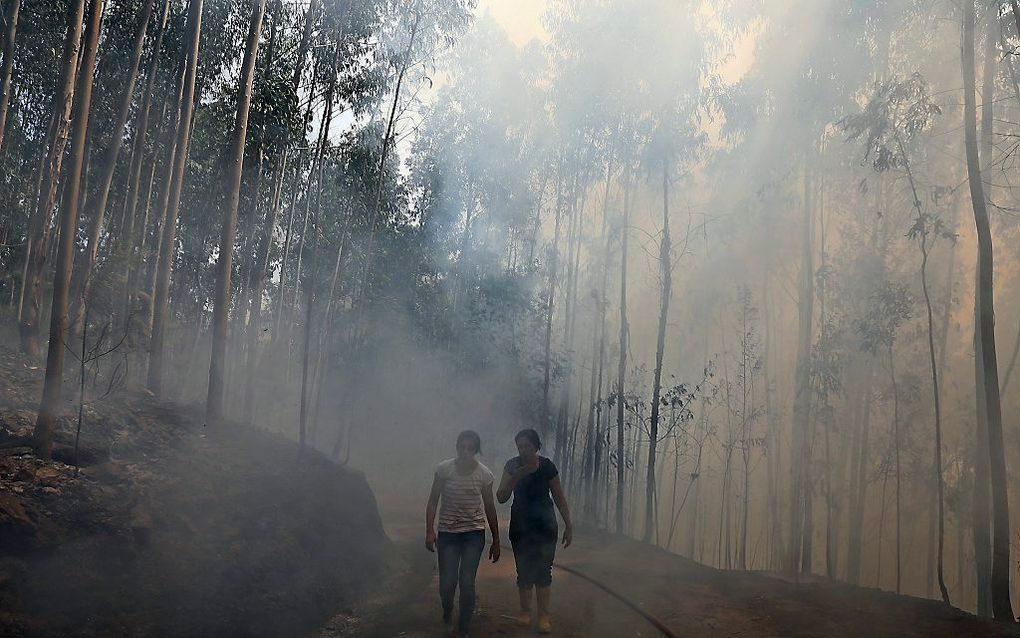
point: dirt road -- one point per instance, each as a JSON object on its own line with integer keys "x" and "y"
{"x": 692, "y": 600}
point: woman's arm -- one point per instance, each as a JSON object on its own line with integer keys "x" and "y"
{"x": 506, "y": 487}
{"x": 561, "y": 504}
{"x": 490, "y": 514}
{"x": 430, "y": 514}
{"x": 511, "y": 479}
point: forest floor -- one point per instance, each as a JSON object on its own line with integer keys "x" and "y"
{"x": 692, "y": 600}
{"x": 172, "y": 528}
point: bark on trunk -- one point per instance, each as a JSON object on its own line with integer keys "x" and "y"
{"x": 800, "y": 489}
{"x": 127, "y": 240}
{"x": 988, "y": 384}
{"x": 98, "y": 208}
{"x": 169, "y": 231}
{"x": 551, "y": 303}
{"x": 666, "y": 274}
{"x": 12, "y": 10}
{"x": 40, "y": 224}
{"x": 621, "y": 371}
{"x": 49, "y": 406}
{"x": 234, "y": 164}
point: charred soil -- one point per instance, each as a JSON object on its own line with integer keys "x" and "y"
{"x": 691, "y": 600}
{"x": 171, "y": 527}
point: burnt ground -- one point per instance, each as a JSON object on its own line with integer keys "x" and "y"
{"x": 692, "y": 600}
{"x": 172, "y": 528}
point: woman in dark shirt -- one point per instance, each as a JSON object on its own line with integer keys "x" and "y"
{"x": 534, "y": 482}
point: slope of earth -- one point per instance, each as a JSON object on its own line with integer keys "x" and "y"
{"x": 693, "y": 601}
{"x": 171, "y": 528}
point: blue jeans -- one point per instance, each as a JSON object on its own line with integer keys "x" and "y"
{"x": 459, "y": 555}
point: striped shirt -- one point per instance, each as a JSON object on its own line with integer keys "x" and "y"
{"x": 461, "y": 506}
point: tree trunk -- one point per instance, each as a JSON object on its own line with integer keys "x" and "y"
{"x": 666, "y": 273}
{"x": 40, "y": 226}
{"x": 12, "y": 10}
{"x": 98, "y": 211}
{"x": 800, "y": 488}
{"x": 49, "y": 406}
{"x": 383, "y": 156}
{"x": 589, "y": 469}
{"x": 127, "y": 239}
{"x": 551, "y": 303}
{"x": 257, "y": 287}
{"x": 621, "y": 372}
{"x": 859, "y": 478}
{"x": 994, "y": 454}
{"x": 896, "y": 463}
{"x": 570, "y": 320}
{"x": 169, "y": 231}
{"x": 163, "y": 196}
{"x": 234, "y": 164}
{"x": 937, "y": 462}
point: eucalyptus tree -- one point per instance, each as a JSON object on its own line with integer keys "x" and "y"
{"x": 232, "y": 187}
{"x": 896, "y": 115}
{"x": 97, "y": 208}
{"x": 42, "y": 436}
{"x": 39, "y": 228}
{"x": 12, "y": 10}
{"x": 175, "y": 184}
{"x": 890, "y": 307}
{"x": 988, "y": 389}
{"x": 420, "y": 32}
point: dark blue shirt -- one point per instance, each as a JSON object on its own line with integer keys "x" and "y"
{"x": 532, "y": 508}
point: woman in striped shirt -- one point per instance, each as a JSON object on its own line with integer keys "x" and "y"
{"x": 465, "y": 486}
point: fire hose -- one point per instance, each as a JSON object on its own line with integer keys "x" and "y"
{"x": 655, "y": 622}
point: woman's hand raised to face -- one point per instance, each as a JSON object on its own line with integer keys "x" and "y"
{"x": 525, "y": 470}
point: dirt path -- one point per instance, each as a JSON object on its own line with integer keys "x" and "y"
{"x": 412, "y": 609}
{"x": 692, "y": 600}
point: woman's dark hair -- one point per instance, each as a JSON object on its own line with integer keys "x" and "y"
{"x": 531, "y": 436}
{"x": 471, "y": 435}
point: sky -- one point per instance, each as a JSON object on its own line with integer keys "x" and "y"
{"x": 522, "y": 19}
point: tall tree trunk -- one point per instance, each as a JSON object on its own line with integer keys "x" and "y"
{"x": 299, "y": 68}
{"x": 387, "y": 143}
{"x": 859, "y": 476}
{"x": 234, "y": 164}
{"x": 257, "y": 287}
{"x": 169, "y": 231}
{"x": 151, "y": 247}
{"x": 936, "y": 395}
{"x": 569, "y": 299}
{"x": 10, "y": 16}
{"x": 589, "y": 469}
{"x": 621, "y": 372}
{"x": 49, "y": 406}
{"x": 307, "y": 369}
{"x": 666, "y": 274}
{"x": 896, "y": 464}
{"x": 127, "y": 239}
{"x": 994, "y": 454}
{"x": 40, "y": 226}
{"x": 109, "y": 167}
{"x": 800, "y": 488}
{"x": 551, "y": 302}
{"x": 747, "y": 365}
